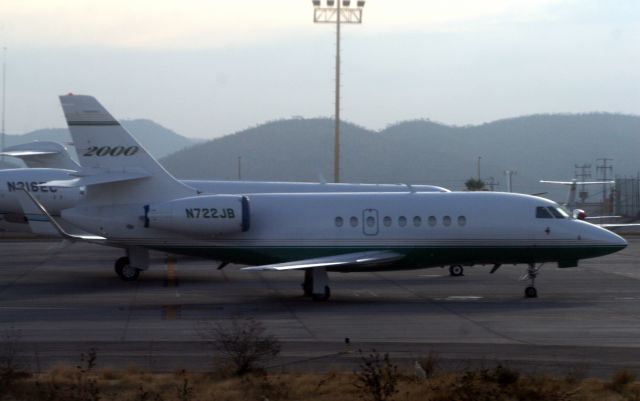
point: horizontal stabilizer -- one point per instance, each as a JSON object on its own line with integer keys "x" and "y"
{"x": 25, "y": 153}
{"x": 345, "y": 260}
{"x": 96, "y": 179}
{"x": 42, "y": 154}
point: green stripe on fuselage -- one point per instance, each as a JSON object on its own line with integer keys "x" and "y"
{"x": 415, "y": 257}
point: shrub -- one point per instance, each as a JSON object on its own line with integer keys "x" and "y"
{"x": 430, "y": 364}
{"x": 621, "y": 379}
{"x": 245, "y": 345}
{"x": 377, "y": 377}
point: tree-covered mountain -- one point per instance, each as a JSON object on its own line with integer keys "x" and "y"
{"x": 421, "y": 151}
{"x": 413, "y": 152}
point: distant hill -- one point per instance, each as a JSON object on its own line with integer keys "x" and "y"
{"x": 413, "y": 152}
{"x": 157, "y": 139}
{"x": 421, "y": 151}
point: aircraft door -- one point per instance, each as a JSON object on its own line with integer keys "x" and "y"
{"x": 370, "y": 221}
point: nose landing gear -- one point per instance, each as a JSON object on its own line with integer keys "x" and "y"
{"x": 456, "y": 270}
{"x": 530, "y": 292}
{"x": 531, "y": 274}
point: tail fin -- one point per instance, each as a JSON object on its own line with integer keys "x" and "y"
{"x": 42, "y": 154}
{"x": 105, "y": 148}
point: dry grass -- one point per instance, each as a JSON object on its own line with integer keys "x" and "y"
{"x": 501, "y": 383}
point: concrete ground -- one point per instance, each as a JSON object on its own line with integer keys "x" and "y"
{"x": 60, "y": 301}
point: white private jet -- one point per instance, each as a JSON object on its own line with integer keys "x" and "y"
{"x": 131, "y": 202}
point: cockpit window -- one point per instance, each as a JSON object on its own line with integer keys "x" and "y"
{"x": 558, "y": 213}
{"x": 543, "y": 213}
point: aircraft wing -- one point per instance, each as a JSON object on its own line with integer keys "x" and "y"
{"x": 337, "y": 261}
{"x": 46, "y": 225}
{"x": 613, "y": 226}
{"x": 602, "y": 217}
{"x": 576, "y": 182}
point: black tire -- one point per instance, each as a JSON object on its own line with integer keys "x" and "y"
{"x": 322, "y": 297}
{"x": 307, "y": 288}
{"x": 456, "y": 271}
{"x": 531, "y": 292}
{"x": 125, "y": 271}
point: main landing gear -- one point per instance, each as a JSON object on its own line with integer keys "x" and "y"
{"x": 125, "y": 271}
{"x": 128, "y": 267}
{"x": 531, "y": 274}
{"x": 456, "y": 270}
{"x": 316, "y": 284}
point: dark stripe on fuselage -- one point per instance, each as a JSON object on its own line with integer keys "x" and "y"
{"x": 88, "y": 123}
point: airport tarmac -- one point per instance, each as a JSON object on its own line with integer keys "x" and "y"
{"x": 62, "y": 300}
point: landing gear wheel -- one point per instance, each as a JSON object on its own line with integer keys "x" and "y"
{"x": 532, "y": 273}
{"x": 456, "y": 271}
{"x": 322, "y": 297}
{"x": 125, "y": 271}
{"x": 531, "y": 292}
{"x": 307, "y": 284}
{"x": 307, "y": 288}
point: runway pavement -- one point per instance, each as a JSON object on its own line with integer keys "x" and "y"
{"x": 61, "y": 301}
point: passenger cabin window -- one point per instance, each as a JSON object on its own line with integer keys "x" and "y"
{"x": 402, "y": 221}
{"x": 387, "y": 221}
{"x": 543, "y": 213}
{"x": 353, "y": 221}
{"x": 339, "y": 222}
{"x": 432, "y": 221}
{"x": 446, "y": 220}
{"x": 417, "y": 221}
{"x": 462, "y": 221}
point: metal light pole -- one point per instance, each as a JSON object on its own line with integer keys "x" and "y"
{"x": 333, "y": 13}
{"x": 605, "y": 168}
{"x": 4, "y": 89}
{"x": 510, "y": 174}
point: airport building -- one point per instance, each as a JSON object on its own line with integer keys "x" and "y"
{"x": 627, "y": 197}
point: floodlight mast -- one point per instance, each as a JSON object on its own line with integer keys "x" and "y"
{"x": 4, "y": 97}
{"x": 334, "y": 14}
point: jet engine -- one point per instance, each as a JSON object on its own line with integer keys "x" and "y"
{"x": 579, "y": 214}
{"x": 200, "y": 215}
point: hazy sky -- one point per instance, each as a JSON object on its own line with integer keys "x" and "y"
{"x": 206, "y": 68}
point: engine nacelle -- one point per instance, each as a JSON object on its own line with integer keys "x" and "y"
{"x": 579, "y": 214}
{"x": 200, "y": 215}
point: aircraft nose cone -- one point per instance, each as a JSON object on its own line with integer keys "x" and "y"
{"x": 617, "y": 240}
{"x": 600, "y": 240}
{"x": 611, "y": 239}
